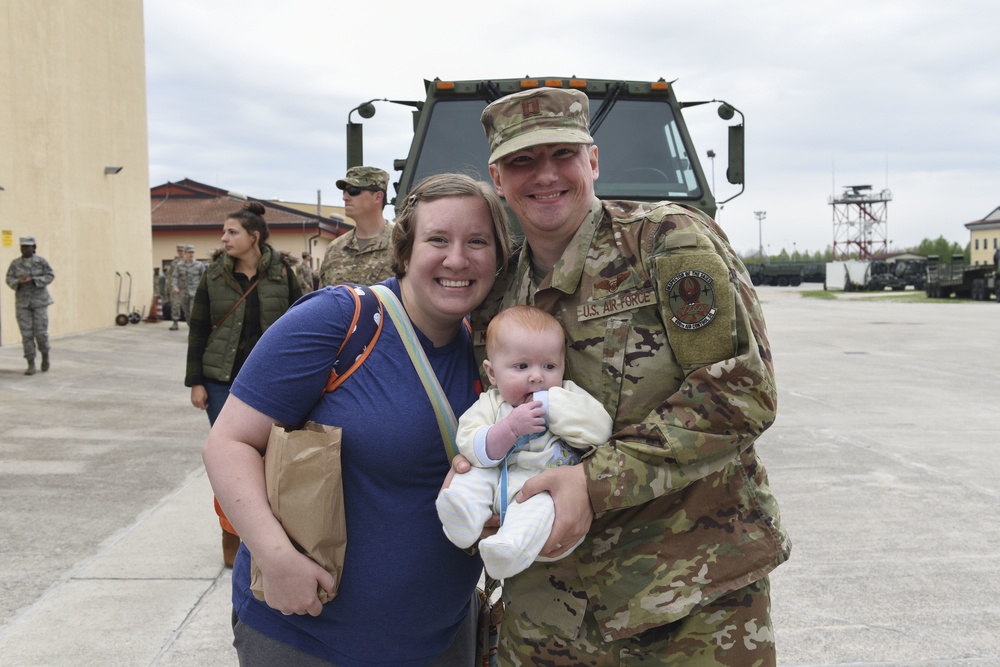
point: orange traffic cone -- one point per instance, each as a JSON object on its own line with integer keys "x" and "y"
{"x": 155, "y": 309}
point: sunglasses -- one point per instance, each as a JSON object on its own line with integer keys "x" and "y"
{"x": 354, "y": 191}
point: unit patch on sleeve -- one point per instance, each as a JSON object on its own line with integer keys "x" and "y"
{"x": 697, "y": 306}
{"x": 691, "y": 299}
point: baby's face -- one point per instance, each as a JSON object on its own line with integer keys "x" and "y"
{"x": 525, "y": 362}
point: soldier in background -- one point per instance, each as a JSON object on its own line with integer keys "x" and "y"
{"x": 305, "y": 273}
{"x": 173, "y": 298}
{"x": 29, "y": 276}
{"x": 362, "y": 255}
{"x": 184, "y": 283}
{"x": 159, "y": 283}
{"x": 663, "y": 326}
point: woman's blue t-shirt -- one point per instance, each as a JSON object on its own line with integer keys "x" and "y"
{"x": 406, "y": 589}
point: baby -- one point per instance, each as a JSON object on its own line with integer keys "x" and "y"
{"x": 528, "y": 421}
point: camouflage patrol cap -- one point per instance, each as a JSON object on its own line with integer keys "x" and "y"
{"x": 189, "y": 248}
{"x": 536, "y": 116}
{"x": 28, "y": 240}
{"x": 181, "y": 246}
{"x": 365, "y": 177}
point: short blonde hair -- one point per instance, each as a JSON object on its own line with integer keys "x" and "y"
{"x": 527, "y": 318}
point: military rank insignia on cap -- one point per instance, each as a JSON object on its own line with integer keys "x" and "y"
{"x": 691, "y": 298}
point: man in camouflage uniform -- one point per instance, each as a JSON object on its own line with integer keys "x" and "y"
{"x": 184, "y": 283}
{"x": 305, "y": 273}
{"x": 664, "y": 327}
{"x": 174, "y": 297}
{"x": 362, "y": 255}
{"x": 29, "y": 276}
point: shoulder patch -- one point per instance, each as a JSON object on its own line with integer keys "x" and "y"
{"x": 691, "y": 298}
{"x": 697, "y": 306}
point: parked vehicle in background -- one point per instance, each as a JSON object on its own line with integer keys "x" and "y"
{"x": 981, "y": 282}
{"x": 780, "y": 274}
{"x": 876, "y": 275}
{"x": 647, "y": 153}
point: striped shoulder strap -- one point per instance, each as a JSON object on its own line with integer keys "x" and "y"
{"x": 442, "y": 408}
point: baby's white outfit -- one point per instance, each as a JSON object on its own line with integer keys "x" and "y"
{"x": 575, "y": 420}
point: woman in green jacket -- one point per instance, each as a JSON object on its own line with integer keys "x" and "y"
{"x": 245, "y": 289}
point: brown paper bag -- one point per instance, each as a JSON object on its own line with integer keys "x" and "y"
{"x": 306, "y": 493}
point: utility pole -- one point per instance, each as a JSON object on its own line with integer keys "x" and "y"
{"x": 760, "y": 234}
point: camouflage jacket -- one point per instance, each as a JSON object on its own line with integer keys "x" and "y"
{"x": 185, "y": 277}
{"x": 664, "y": 328}
{"x": 346, "y": 262}
{"x": 305, "y": 274}
{"x": 36, "y": 293}
{"x": 168, "y": 288}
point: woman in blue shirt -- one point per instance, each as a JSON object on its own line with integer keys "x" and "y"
{"x": 406, "y": 597}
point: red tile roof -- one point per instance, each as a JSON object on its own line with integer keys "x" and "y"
{"x": 189, "y": 204}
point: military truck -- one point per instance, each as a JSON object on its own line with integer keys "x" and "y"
{"x": 646, "y": 151}
{"x": 876, "y": 275}
{"x": 813, "y": 272}
{"x": 980, "y": 282}
{"x": 780, "y": 274}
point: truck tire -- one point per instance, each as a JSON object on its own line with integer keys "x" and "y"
{"x": 782, "y": 281}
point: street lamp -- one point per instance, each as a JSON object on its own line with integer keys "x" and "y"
{"x": 760, "y": 233}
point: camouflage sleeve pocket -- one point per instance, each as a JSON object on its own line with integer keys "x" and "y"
{"x": 697, "y": 304}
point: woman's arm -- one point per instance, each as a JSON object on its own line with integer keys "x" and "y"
{"x": 233, "y": 458}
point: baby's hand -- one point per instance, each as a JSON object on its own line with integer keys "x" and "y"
{"x": 526, "y": 418}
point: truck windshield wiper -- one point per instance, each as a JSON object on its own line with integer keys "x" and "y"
{"x": 491, "y": 91}
{"x": 609, "y": 101}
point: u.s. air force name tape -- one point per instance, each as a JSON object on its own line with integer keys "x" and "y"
{"x": 616, "y": 303}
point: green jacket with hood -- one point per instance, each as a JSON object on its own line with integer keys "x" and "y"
{"x": 213, "y": 353}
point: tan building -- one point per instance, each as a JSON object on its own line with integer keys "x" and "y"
{"x": 74, "y": 160}
{"x": 984, "y": 238}
{"x": 192, "y": 213}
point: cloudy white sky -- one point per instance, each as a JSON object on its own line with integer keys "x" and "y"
{"x": 253, "y": 95}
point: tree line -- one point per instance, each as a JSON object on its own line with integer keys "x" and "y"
{"x": 940, "y": 246}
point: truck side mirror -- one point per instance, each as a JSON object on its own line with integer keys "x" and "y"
{"x": 355, "y": 145}
{"x": 734, "y": 172}
{"x": 355, "y": 134}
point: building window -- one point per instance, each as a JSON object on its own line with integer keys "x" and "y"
{"x": 977, "y": 244}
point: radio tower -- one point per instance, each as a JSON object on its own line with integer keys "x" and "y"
{"x": 860, "y": 223}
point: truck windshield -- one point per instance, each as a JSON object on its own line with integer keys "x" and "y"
{"x": 642, "y": 155}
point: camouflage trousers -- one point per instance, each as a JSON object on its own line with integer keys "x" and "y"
{"x": 34, "y": 325}
{"x": 732, "y": 631}
{"x": 181, "y": 303}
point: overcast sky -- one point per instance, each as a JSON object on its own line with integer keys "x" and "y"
{"x": 253, "y": 95}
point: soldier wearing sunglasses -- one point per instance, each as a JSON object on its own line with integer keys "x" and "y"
{"x": 362, "y": 255}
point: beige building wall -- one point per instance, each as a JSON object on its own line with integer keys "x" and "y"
{"x": 984, "y": 238}
{"x": 72, "y": 103}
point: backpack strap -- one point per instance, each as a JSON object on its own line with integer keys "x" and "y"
{"x": 367, "y": 324}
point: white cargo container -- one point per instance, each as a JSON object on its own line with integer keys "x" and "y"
{"x": 847, "y": 275}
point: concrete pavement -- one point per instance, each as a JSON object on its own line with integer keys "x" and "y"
{"x": 882, "y": 457}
